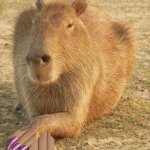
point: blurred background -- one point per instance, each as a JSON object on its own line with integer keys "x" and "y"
{"x": 126, "y": 127}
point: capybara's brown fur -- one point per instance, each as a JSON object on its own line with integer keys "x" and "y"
{"x": 71, "y": 64}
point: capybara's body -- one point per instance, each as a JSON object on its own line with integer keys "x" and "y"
{"x": 89, "y": 59}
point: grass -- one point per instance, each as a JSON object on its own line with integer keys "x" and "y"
{"x": 3, "y": 6}
{"x": 9, "y": 120}
{"x": 130, "y": 120}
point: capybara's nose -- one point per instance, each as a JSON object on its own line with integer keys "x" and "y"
{"x": 38, "y": 59}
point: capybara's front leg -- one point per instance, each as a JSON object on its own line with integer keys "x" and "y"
{"x": 58, "y": 125}
{"x": 65, "y": 124}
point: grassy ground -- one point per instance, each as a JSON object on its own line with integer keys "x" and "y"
{"x": 128, "y": 126}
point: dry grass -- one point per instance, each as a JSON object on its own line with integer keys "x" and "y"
{"x": 128, "y": 126}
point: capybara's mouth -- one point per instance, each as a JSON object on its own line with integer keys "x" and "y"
{"x": 38, "y": 78}
{"x": 39, "y": 74}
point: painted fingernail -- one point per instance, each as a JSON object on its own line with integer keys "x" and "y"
{"x": 24, "y": 147}
{"x": 16, "y": 146}
{"x": 12, "y": 141}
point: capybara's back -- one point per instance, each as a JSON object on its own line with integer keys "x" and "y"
{"x": 71, "y": 63}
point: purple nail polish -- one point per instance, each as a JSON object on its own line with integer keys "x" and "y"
{"x": 24, "y": 148}
{"x": 16, "y": 146}
{"x": 12, "y": 141}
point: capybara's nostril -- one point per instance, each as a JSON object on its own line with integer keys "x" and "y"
{"x": 28, "y": 60}
{"x": 45, "y": 59}
{"x": 34, "y": 59}
{"x": 38, "y": 59}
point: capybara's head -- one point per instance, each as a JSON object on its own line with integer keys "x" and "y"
{"x": 58, "y": 40}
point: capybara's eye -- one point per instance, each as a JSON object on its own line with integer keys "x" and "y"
{"x": 70, "y": 25}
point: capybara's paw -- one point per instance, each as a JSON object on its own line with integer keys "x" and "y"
{"x": 17, "y": 107}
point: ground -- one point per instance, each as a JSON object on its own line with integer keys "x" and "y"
{"x": 127, "y": 127}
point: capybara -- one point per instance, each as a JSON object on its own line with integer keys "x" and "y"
{"x": 71, "y": 64}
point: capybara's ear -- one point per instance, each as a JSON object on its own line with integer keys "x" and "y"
{"x": 80, "y": 6}
{"x": 39, "y": 4}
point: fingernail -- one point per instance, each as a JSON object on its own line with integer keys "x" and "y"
{"x": 24, "y": 147}
{"x": 12, "y": 141}
{"x": 16, "y": 146}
